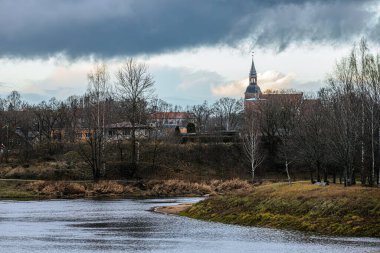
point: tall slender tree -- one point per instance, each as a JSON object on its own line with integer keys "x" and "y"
{"x": 135, "y": 86}
{"x": 96, "y": 119}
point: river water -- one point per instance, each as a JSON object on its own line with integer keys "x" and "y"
{"x": 128, "y": 226}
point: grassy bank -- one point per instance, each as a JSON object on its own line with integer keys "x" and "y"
{"x": 16, "y": 190}
{"x": 331, "y": 210}
{"x": 20, "y": 189}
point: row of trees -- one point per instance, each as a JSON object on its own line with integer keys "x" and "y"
{"x": 127, "y": 99}
{"x": 335, "y": 132}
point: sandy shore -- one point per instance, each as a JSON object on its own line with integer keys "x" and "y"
{"x": 172, "y": 209}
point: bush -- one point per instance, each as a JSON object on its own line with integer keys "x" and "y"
{"x": 109, "y": 187}
{"x": 57, "y": 188}
{"x": 177, "y": 188}
{"x": 233, "y": 185}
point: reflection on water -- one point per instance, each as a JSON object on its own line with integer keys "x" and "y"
{"x": 127, "y": 226}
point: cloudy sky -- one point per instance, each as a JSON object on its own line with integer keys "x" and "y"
{"x": 196, "y": 50}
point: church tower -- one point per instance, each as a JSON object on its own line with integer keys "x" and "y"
{"x": 253, "y": 91}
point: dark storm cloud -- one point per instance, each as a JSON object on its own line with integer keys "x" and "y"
{"x": 39, "y": 28}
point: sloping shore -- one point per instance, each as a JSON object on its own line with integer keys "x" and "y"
{"x": 329, "y": 210}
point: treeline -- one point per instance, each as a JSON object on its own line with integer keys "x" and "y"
{"x": 331, "y": 136}
{"x": 334, "y": 134}
{"x": 80, "y": 124}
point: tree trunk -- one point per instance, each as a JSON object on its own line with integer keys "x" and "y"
{"x": 353, "y": 177}
{"x": 133, "y": 142}
{"x": 318, "y": 172}
{"x": 253, "y": 172}
{"x": 362, "y": 169}
{"x": 345, "y": 177}
{"x": 372, "y": 178}
{"x": 311, "y": 177}
{"x": 378, "y": 174}
{"x": 287, "y": 170}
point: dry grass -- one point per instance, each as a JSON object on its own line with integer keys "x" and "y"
{"x": 352, "y": 211}
{"x": 184, "y": 188}
{"x": 111, "y": 187}
{"x": 156, "y": 188}
{"x": 233, "y": 185}
{"x": 47, "y": 170}
{"x": 177, "y": 188}
{"x": 59, "y": 188}
{"x": 71, "y": 189}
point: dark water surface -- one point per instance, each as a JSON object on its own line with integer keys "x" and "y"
{"x": 127, "y": 226}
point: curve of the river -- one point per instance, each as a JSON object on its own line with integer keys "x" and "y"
{"x": 127, "y": 226}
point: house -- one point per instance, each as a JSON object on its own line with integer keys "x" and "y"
{"x": 171, "y": 120}
{"x": 123, "y": 131}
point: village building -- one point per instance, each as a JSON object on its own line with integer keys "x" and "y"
{"x": 253, "y": 95}
{"x": 171, "y": 120}
{"x": 123, "y": 131}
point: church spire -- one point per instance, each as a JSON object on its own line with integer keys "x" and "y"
{"x": 253, "y": 73}
{"x": 253, "y": 90}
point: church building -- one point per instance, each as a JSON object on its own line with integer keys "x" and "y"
{"x": 253, "y": 94}
{"x": 253, "y": 91}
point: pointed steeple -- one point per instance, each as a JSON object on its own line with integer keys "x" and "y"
{"x": 253, "y": 73}
{"x": 253, "y": 90}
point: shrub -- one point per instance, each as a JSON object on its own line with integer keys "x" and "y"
{"x": 109, "y": 187}
{"x": 177, "y": 187}
{"x": 233, "y": 185}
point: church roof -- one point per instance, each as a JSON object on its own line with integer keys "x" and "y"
{"x": 253, "y": 69}
{"x": 253, "y": 89}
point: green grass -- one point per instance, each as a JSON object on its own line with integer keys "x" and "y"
{"x": 331, "y": 210}
{"x": 16, "y": 191}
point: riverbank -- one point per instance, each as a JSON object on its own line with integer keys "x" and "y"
{"x": 177, "y": 209}
{"x": 38, "y": 189}
{"x": 329, "y": 210}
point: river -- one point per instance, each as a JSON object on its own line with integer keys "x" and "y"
{"x": 128, "y": 226}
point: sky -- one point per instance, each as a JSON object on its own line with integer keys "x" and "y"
{"x": 196, "y": 50}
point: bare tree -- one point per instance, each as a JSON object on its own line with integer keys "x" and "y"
{"x": 72, "y": 117}
{"x": 135, "y": 85}
{"x": 159, "y": 110}
{"x": 374, "y": 103}
{"x": 288, "y": 117}
{"x": 95, "y": 119}
{"x": 14, "y": 107}
{"x": 50, "y": 117}
{"x": 227, "y": 110}
{"x": 251, "y": 142}
{"x": 202, "y": 115}
{"x": 367, "y": 80}
{"x": 311, "y": 137}
{"x": 344, "y": 123}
